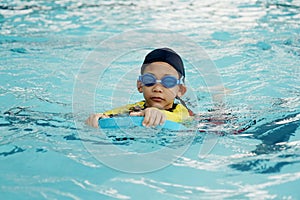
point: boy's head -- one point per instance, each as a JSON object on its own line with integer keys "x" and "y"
{"x": 161, "y": 79}
{"x": 166, "y": 55}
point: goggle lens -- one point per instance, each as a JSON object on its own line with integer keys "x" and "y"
{"x": 167, "y": 81}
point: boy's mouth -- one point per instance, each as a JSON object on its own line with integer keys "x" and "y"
{"x": 157, "y": 99}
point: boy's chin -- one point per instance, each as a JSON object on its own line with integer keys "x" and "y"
{"x": 157, "y": 105}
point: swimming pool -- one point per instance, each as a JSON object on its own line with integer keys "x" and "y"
{"x": 255, "y": 46}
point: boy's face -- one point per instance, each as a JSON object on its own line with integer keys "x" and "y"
{"x": 157, "y": 95}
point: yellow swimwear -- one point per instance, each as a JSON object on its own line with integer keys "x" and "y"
{"x": 178, "y": 113}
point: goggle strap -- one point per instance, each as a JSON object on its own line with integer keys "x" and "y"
{"x": 184, "y": 104}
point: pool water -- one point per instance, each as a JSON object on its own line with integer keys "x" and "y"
{"x": 255, "y": 46}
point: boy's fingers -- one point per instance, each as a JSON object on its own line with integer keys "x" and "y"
{"x": 157, "y": 120}
{"x": 152, "y": 120}
{"x": 139, "y": 113}
{"x": 146, "y": 118}
{"x": 93, "y": 120}
{"x": 153, "y": 117}
{"x": 162, "y": 120}
{"x": 96, "y": 125}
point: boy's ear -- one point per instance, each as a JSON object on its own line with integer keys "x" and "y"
{"x": 139, "y": 86}
{"x": 181, "y": 91}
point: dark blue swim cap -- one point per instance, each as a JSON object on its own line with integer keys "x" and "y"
{"x": 165, "y": 55}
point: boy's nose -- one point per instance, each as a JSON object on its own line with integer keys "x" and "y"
{"x": 158, "y": 87}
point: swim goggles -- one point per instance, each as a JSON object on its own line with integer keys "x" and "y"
{"x": 167, "y": 81}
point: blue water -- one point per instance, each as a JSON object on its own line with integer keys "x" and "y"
{"x": 255, "y": 46}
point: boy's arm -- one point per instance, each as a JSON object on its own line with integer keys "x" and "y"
{"x": 93, "y": 119}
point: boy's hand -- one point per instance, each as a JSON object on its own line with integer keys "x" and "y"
{"x": 152, "y": 116}
{"x": 93, "y": 119}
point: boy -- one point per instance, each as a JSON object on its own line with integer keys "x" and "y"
{"x": 161, "y": 81}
